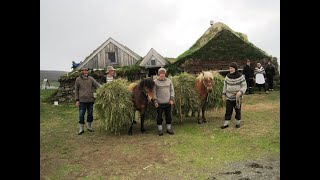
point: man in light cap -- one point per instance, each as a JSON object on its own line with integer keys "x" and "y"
{"x": 164, "y": 99}
{"x": 84, "y": 88}
{"x": 110, "y": 74}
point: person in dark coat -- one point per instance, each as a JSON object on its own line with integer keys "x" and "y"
{"x": 270, "y": 73}
{"x": 248, "y": 72}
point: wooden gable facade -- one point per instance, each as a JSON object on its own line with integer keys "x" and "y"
{"x": 153, "y": 61}
{"x": 110, "y": 53}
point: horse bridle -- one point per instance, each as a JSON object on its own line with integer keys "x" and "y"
{"x": 206, "y": 85}
{"x": 144, "y": 91}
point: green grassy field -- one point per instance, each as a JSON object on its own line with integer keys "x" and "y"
{"x": 194, "y": 152}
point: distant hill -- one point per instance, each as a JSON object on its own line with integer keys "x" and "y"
{"x": 51, "y": 75}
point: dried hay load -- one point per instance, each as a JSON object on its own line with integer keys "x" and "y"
{"x": 215, "y": 98}
{"x": 186, "y": 96}
{"x": 113, "y": 105}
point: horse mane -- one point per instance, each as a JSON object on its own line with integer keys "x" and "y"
{"x": 146, "y": 82}
{"x": 132, "y": 86}
{"x": 204, "y": 75}
{"x": 199, "y": 85}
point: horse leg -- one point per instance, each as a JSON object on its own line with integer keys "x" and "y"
{"x": 142, "y": 121}
{"x": 199, "y": 121}
{"x": 204, "y": 106}
{"x": 203, "y": 114}
{"x": 193, "y": 113}
{"x": 134, "y": 119}
{"x": 130, "y": 129}
{"x": 132, "y": 122}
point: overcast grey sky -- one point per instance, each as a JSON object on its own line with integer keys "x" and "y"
{"x": 70, "y": 30}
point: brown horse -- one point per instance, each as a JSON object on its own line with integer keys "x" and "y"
{"x": 204, "y": 85}
{"x": 142, "y": 94}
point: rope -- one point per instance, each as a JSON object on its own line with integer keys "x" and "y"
{"x": 238, "y": 102}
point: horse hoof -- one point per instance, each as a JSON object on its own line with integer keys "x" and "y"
{"x": 199, "y": 122}
{"x": 204, "y": 121}
{"x": 143, "y": 131}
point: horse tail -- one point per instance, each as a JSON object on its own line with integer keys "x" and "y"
{"x": 132, "y": 86}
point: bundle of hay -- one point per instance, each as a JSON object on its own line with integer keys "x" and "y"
{"x": 215, "y": 98}
{"x": 114, "y": 106}
{"x": 186, "y": 97}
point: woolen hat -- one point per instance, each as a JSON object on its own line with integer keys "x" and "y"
{"x": 234, "y": 65}
{"x": 162, "y": 69}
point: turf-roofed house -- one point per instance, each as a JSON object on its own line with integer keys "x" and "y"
{"x": 217, "y": 48}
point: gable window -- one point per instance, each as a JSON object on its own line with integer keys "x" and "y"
{"x": 112, "y": 57}
{"x": 153, "y": 62}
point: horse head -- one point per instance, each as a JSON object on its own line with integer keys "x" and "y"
{"x": 147, "y": 86}
{"x": 207, "y": 80}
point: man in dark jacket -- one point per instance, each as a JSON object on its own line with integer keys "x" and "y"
{"x": 248, "y": 72}
{"x": 270, "y": 73}
{"x": 84, "y": 88}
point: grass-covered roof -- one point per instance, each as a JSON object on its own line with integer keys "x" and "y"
{"x": 220, "y": 42}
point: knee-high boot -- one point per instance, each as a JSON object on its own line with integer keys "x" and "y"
{"x": 81, "y": 131}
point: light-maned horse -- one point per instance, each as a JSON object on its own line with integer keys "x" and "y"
{"x": 142, "y": 94}
{"x": 204, "y": 85}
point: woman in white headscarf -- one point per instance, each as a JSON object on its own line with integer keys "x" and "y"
{"x": 260, "y": 73}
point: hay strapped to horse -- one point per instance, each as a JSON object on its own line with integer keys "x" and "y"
{"x": 118, "y": 100}
{"x": 111, "y": 104}
{"x": 186, "y": 96}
